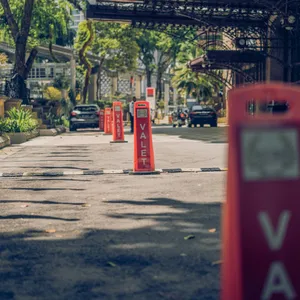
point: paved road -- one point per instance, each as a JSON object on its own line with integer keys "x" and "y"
{"x": 87, "y": 150}
{"x": 205, "y": 134}
{"x": 111, "y": 236}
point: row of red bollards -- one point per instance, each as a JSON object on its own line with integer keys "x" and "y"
{"x": 111, "y": 122}
{"x": 261, "y": 216}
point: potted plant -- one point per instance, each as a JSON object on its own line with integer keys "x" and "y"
{"x": 19, "y": 125}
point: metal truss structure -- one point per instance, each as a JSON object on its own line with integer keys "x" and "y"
{"x": 258, "y": 25}
{"x": 225, "y": 77}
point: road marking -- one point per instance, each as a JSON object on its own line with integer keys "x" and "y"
{"x": 73, "y": 173}
{"x": 191, "y": 170}
{"x": 102, "y": 172}
{"x": 113, "y": 172}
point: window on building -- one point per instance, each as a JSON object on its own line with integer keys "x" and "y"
{"x": 32, "y": 73}
{"x": 42, "y": 72}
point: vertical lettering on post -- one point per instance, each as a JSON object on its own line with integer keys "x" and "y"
{"x": 274, "y": 237}
{"x": 107, "y": 121}
{"x": 143, "y": 139}
{"x": 144, "y": 146}
{"x": 117, "y": 119}
{"x": 278, "y": 281}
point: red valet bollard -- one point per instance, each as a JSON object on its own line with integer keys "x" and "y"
{"x": 143, "y": 144}
{"x": 261, "y": 217}
{"x": 107, "y": 122}
{"x": 118, "y": 129}
{"x": 101, "y": 120}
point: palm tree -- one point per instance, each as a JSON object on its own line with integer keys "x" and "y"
{"x": 197, "y": 85}
{"x": 192, "y": 83}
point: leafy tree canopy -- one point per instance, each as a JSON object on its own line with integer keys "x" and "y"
{"x": 115, "y": 44}
{"x": 50, "y": 20}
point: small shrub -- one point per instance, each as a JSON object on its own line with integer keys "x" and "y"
{"x": 52, "y": 93}
{"x": 104, "y": 103}
{"x": 18, "y": 120}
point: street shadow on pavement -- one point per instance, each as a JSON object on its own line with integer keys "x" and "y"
{"x": 41, "y": 202}
{"x": 54, "y": 179}
{"x": 170, "y": 258}
{"x": 206, "y": 134}
{"x": 42, "y": 189}
{"x": 35, "y": 217}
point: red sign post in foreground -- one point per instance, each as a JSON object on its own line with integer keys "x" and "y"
{"x": 107, "y": 121}
{"x": 261, "y": 217}
{"x": 143, "y": 145}
{"x": 118, "y": 129}
{"x": 101, "y": 120}
{"x": 112, "y": 120}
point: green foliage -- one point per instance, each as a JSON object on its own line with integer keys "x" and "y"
{"x": 161, "y": 104}
{"x": 84, "y": 39}
{"x": 82, "y": 44}
{"x": 18, "y": 120}
{"x": 3, "y": 58}
{"x": 113, "y": 43}
{"x": 50, "y": 20}
{"x": 65, "y": 122}
{"x": 52, "y": 93}
{"x": 167, "y": 48}
{"x": 147, "y": 41}
{"x": 72, "y": 97}
{"x": 65, "y": 107}
{"x": 188, "y": 82}
{"x": 61, "y": 83}
{"x": 59, "y": 117}
{"x": 104, "y": 103}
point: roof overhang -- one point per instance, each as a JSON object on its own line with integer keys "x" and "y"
{"x": 223, "y": 59}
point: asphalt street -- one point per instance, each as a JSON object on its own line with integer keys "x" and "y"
{"x": 113, "y": 236}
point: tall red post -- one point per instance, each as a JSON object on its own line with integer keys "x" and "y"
{"x": 107, "y": 121}
{"x": 118, "y": 129}
{"x": 112, "y": 120}
{"x": 261, "y": 217}
{"x": 143, "y": 144}
{"x": 101, "y": 120}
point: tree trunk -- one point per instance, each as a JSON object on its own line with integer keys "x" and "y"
{"x": 158, "y": 85}
{"x": 51, "y": 45}
{"x": 84, "y": 60}
{"x": 99, "y": 75}
{"x": 64, "y": 94}
{"x": 30, "y": 61}
{"x": 86, "y": 83}
{"x": 99, "y": 86}
{"x": 198, "y": 95}
{"x": 20, "y": 55}
{"x": 17, "y": 86}
{"x": 149, "y": 77}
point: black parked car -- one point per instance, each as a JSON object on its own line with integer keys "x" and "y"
{"x": 201, "y": 115}
{"x": 84, "y": 116}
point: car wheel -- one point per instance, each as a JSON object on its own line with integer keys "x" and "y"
{"x": 174, "y": 125}
{"x": 201, "y": 125}
{"x": 72, "y": 128}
